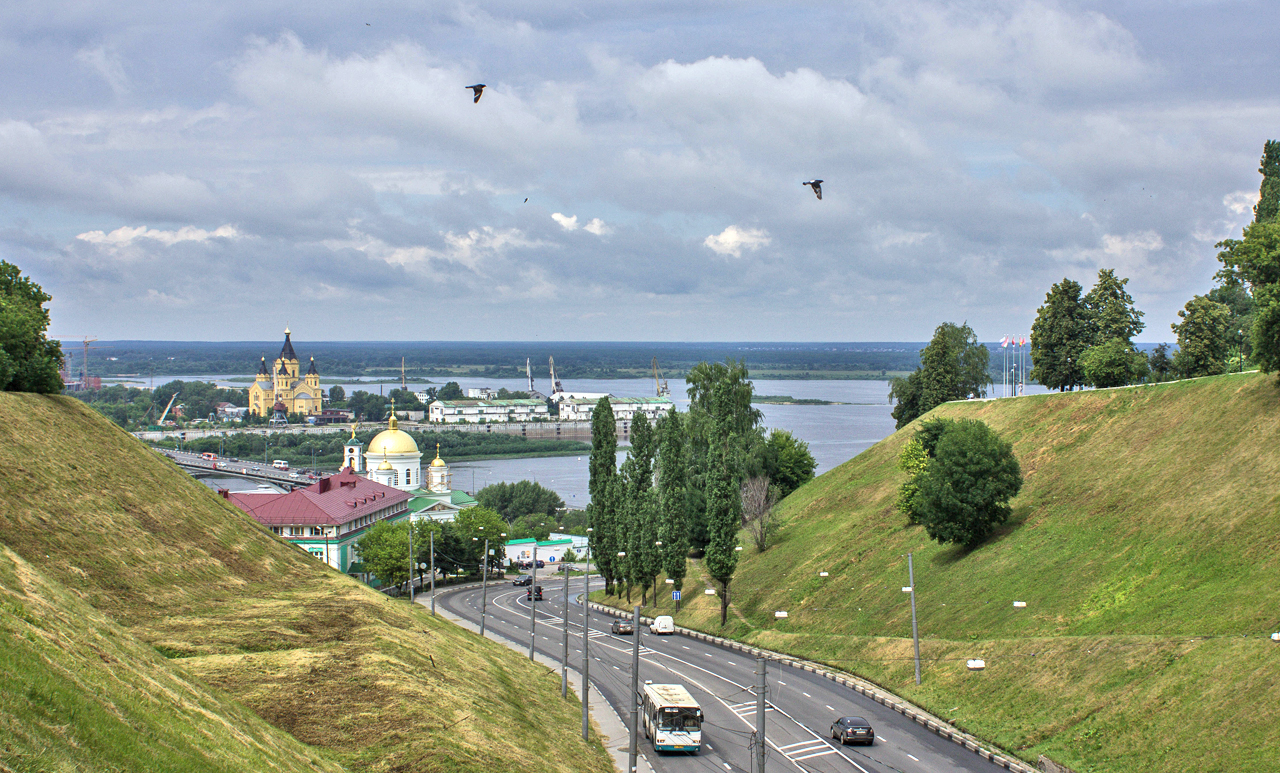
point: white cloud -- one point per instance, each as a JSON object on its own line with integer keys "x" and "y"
{"x": 125, "y": 235}
{"x": 597, "y": 227}
{"x": 733, "y": 240}
{"x": 594, "y": 226}
{"x": 567, "y": 223}
{"x": 1241, "y": 202}
{"x": 107, "y": 64}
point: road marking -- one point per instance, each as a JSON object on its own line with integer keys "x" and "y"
{"x": 784, "y": 684}
{"x": 684, "y": 646}
{"x": 805, "y": 694}
{"x": 881, "y": 738}
{"x": 829, "y": 708}
{"x": 912, "y": 756}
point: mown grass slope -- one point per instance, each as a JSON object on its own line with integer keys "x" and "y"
{"x": 1144, "y": 544}
{"x": 111, "y": 555}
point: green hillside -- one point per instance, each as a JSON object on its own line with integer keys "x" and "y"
{"x": 1144, "y": 544}
{"x": 147, "y": 625}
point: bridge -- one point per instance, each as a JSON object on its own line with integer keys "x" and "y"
{"x": 238, "y": 468}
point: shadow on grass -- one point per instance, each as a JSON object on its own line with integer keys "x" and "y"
{"x": 956, "y": 553}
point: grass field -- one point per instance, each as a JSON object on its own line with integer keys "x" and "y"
{"x": 1144, "y": 544}
{"x": 147, "y": 625}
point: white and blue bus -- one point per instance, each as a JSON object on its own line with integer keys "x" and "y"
{"x": 672, "y": 718}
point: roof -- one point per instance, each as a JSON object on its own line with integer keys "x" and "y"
{"x": 286, "y": 351}
{"x": 520, "y": 541}
{"x": 512, "y": 403}
{"x": 554, "y": 542}
{"x": 671, "y": 694}
{"x": 462, "y": 498}
{"x": 332, "y": 501}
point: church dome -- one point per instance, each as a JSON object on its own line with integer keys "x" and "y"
{"x": 438, "y": 462}
{"x": 386, "y": 465}
{"x": 393, "y": 441}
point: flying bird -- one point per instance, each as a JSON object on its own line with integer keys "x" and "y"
{"x": 526, "y": 200}
{"x": 817, "y": 187}
{"x": 478, "y": 88}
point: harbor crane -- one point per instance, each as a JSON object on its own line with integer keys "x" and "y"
{"x": 84, "y": 359}
{"x": 660, "y": 383}
{"x": 528, "y": 373}
{"x": 556, "y": 386}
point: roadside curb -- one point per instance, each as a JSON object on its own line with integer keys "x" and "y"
{"x": 921, "y": 717}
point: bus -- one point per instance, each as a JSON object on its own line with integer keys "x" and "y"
{"x": 672, "y": 718}
{"x": 209, "y": 457}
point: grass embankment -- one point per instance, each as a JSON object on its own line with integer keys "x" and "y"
{"x": 1143, "y": 543}
{"x": 144, "y": 622}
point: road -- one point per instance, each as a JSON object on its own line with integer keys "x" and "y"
{"x": 237, "y": 468}
{"x": 801, "y": 705}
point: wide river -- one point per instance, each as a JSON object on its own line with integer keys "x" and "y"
{"x": 835, "y": 433}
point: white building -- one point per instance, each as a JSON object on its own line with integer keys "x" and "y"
{"x": 488, "y": 411}
{"x": 393, "y": 458}
{"x": 624, "y": 408}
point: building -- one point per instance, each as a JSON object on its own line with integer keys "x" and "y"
{"x": 229, "y": 412}
{"x": 328, "y": 517}
{"x": 624, "y": 408}
{"x": 393, "y": 459}
{"x": 550, "y": 550}
{"x": 486, "y": 411}
{"x": 282, "y": 384}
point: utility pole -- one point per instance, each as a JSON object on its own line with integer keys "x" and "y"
{"x": 635, "y": 692}
{"x": 564, "y": 657}
{"x": 760, "y": 708}
{"x": 533, "y": 600}
{"x": 412, "y": 562}
{"x": 433, "y": 570}
{"x": 915, "y": 631}
{"x": 586, "y": 657}
{"x": 484, "y": 585}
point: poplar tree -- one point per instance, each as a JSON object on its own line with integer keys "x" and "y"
{"x": 641, "y": 508}
{"x": 672, "y": 525}
{"x": 1059, "y": 337}
{"x": 724, "y": 518}
{"x": 603, "y": 469}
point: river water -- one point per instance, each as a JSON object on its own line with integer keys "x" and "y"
{"x": 835, "y": 433}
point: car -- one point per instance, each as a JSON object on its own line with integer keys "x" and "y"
{"x": 542, "y": 564}
{"x": 622, "y": 626}
{"x": 534, "y": 593}
{"x": 852, "y": 730}
{"x": 662, "y": 624}
{"x": 523, "y": 579}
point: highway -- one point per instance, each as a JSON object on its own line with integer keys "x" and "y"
{"x": 194, "y": 464}
{"x": 801, "y": 705}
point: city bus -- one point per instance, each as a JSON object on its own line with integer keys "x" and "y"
{"x": 672, "y": 718}
{"x": 209, "y": 457}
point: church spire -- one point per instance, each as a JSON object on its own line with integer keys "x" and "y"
{"x": 392, "y": 424}
{"x": 286, "y": 351}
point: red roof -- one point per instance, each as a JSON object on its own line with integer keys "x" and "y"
{"x": 334, "y": 500}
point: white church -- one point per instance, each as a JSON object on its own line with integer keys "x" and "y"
{"x": 393, "y": 459}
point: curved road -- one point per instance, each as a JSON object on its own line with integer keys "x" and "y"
{"x": 801, "y": 705}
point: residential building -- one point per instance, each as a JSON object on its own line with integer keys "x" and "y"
{"x": 486, "y": 411}
{"x": 624, "y": 408}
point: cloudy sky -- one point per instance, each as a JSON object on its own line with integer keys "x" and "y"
{"x": 217, "y": 169}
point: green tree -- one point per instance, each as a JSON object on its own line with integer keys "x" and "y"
{"x": 1059, "y": 337}
{"x": 641, "y": 509}
{"x": 912, "y": 460}
{"x": 1204, "y": 338}
{"x": 1159, "y": 364}
{"x": 672, "y": 497}
{"x": 603, "y": 469}
{"x": 787, "y": 462}
{"x": 512, "y": 500}
{"x": 29, "y": 362}
{"x": 966, "y": 487}
{"x": 952, "y": 367}
{"x": 724, "y": 518}
{"x": 1255, "y": 259}
{"x": 1110, "y": 311}
{"x": 405, "y": 400}
{"x": 384, "y": 550}
{"x": 1112, "y": 364}
{"x": 337, "y": 395}
{"x": 451, "y": 391}
{"x": 1268, "y": 207}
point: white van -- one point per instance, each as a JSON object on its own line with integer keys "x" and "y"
{"x": 662, "y": 624}
{"x": 280, "y": 464}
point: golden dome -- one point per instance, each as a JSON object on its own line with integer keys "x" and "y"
{"x": 393, "y": 441}
{"x": 386, "y": 465}
{"x": 438, "y": 462}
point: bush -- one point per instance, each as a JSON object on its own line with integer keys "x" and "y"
{"x": 964, "y": 490}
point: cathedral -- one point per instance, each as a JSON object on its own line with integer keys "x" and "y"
{"x": 281, "y": 389}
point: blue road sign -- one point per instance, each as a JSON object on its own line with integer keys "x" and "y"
{"x": 675, "y": 595}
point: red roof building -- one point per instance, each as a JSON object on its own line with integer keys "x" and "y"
{"x": 327, "y": 517}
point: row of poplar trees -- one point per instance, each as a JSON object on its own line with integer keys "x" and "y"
{"x": 641, "y": 514}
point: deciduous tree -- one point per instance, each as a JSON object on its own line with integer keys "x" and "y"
{"x": 1110, "y": 311}
{"x": 966, "y": 487}
{"x": 603, "y": 469}
{"x": 787, "y": 462}
{"x": 1113, "y": 363}
{"x": 1059, "y": 337}
{"x": 672, "y": 496}
{"x": 952, "y": 367}
{"x": 29, "y": 362}
{"x": 1204, "y": 338}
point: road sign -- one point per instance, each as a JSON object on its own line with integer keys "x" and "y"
{"x": 675, "y": 595}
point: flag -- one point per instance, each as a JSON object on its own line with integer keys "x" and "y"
{"x": 1004, "y": 342}
{"x": 1023, "y": 342}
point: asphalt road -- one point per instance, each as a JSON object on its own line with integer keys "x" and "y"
{"x": 800, "y": 710}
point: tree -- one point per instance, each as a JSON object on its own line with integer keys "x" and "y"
{"x": 640, "y": 509}
{"x": 525, "y": 497}
{"x": 603, "y": 468}
{"x": 451, "y": 391}
{"x": 724, "y": 518}
{"x": 1204, "y": 338}
{"x": 473, "y": 526}
{"x": 952, "y": 367}
{"x": 966, "y": 487}
{"x": 758, "y": 501}
{"x": 1268, "y": 207}
{"x": 1255, "y": 259}
{"x": 384, "y": 550}
{"x": 1059, "y": 337}
{"x": 787, "y": 462}
{"x": 405, "y": 400}
{"x": 337, "y": 394}
{"x": 1110, "y": 311}
{"x": 672, "y": 497}
{"x": 569, "y": 555}
{"x": 912, "y": 460}
{"x": 1112, "y": 364}
{"x": 1159, "y": 363}
{"x": 29, "y": 362}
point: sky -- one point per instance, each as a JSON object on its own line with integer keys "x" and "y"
{"x": 218, "y": 170}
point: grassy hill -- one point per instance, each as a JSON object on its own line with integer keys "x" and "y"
{"x": 1145, "y": 543}
{"x": 145, "y": 624}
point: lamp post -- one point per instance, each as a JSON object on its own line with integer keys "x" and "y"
{"x": 533, "y": 600}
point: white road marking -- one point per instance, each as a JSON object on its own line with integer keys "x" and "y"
{"x": 881, "y": 739}
{"x": 829, "y": 708}
{"x": 912, "y": 756}
{"x": 784, "y": 684}
{"x": 805, "y": 694}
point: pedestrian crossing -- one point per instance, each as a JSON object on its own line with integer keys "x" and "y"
{"x": 800, "y": 750}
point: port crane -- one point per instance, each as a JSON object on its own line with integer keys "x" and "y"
{"x": 556, "y": 386}
{"x": 528, "y": 373}
{"x": 660, "y": 383}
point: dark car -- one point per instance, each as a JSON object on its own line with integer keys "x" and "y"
{"x": 622, "y": 626}
{"x": 534, "y": 593}
{"x": 542, "y": 564}
{"x": 523, "y": 579}
{"x": 852, "y": 730}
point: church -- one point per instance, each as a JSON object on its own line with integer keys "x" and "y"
{"x": 393, "y": 459}
{"x": 282, "y": 390}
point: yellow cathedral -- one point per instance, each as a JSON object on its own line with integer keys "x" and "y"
{"x": 282, "y": 385}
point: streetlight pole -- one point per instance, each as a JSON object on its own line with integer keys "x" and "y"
{"x": 412, "y": 561}
{"x": 915, "y": 631}
{"x": 533, "y": 600}
{"x": 586, "y": 657}
{"x": 760, "y": 708}
{"x": 433, "y": 570}
{"x": 635, "y": 692}
{"x": 564, "y": 656}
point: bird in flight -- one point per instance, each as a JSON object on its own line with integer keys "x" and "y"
{"x": 817, "y": 187}
{"x": 478, "y": 88}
